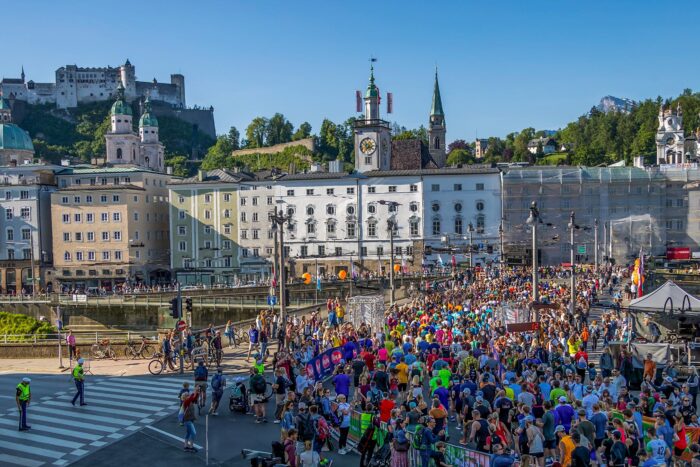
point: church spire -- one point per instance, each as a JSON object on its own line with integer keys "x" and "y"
{"x": 22, "y": 75}
{"x": 436, "y": 109}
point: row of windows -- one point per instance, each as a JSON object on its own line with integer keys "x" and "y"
{"x": 26, "y": 234}
{"x": 459, "y": 227}
{"x": 209, "y": 263}
{"x": 105, "y": 255}
{"x": 93, "y": 181}
{"x": 26, "y": 253}
{"x": 379, "y": 251}
{"x": 329, "y": 191}
{"x": 24, "y": 194}
{"x": 208, "y": 230}
{"x": 25, "y": 213}
{"x": 390, "y": 189}
{"x": 207, "y": 245}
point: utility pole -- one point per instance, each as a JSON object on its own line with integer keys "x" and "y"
{"x": 572, "y": 226}
{"x": 595, "y": 246}
{"x": 533, "y": 219}
{"x": 316, "y": 284}
{"x": 500, "y": 236}
{"x": 182, "y": 333}
{"x": 31, "y": 256}
{"x": 278, "y": 220}
{"x": 391, "y": 261}
{"x": 471, "y": 246}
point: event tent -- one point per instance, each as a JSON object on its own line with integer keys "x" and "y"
{"x": 669, "y": 297}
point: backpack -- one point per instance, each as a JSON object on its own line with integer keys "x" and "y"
{"x": 190, "y": 414}
{"x": 306, "y": 428}
{"x": 258, "y": 385}
{"x": 322, "y": 429}
{"x": 582, "y": 365}
{"x": 216, "y": 382}
{"x": 200, "y": 372}
{"x": 417, "y": 439}
{"x": 375, "y": 396}
{"x": 278, "y": 449}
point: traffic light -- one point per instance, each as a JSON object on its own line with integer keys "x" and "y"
{"x": 428, "y": 250}
{"x": 489, "y": 249}
{"x": 287, "y": 297}
{"x": 188, "y": 304}
{"x": 175, "y": 308}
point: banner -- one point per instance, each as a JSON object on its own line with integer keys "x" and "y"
{"x": 323, "y": 365}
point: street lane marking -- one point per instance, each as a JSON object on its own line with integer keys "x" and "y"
{"x": 79, "y": 452}
{"x": 157, "y": 382}
{"x": 56, "y": 431}
{"x": 83, "y": 415}
{"x": 119, "y": 394}
{"x": 27, "y": 436}
{"x": 170, "y": 435}
{"x": 19, "y": 461}
{"x": 136, "y": 387}
{"x": 118, "y": 404}
{"x": 25, "y": 449}
{"x": 92, "y": 408}
{"x": 98, "y": 444}
{"x": 89, "y": 426}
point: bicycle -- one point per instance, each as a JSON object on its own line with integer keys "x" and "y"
{"x": 103, "y": 349}
{"x": 143, "y": 351}
{"x": 157, "y": 364}
{"x": 241, "y": 337}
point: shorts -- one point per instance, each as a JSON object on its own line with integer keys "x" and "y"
{"x": 202, "y": 384}
{"x": 550, "y": 443}
{"x": 403, "y": 386}
{"x": 257, "y": 398}
{"x": 538, "y": 455}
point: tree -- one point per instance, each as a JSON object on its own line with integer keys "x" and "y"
{"x": 457, "y": 144}
{"x": 179, "y": 165}
{"x": 255, "y": 132}
{"x": 460, "y": 156}
{"x": 304, "y": 131}
{"x": 278, "y": 130}
{"x": 219, "y": 155}
{"x": 234, "y": 138}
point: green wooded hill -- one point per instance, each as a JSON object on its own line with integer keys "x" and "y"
{"x": 80, "y": 133}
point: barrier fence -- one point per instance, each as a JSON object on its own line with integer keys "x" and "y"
{"x": 457, "y": 456}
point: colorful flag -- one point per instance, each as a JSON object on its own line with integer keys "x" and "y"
{"x": 640, "y": 287}
{"x": 404, "y": 267}
{"x": 274, "y": 276}
{"x": 318, "y": 279}
{"x": 454, "y": 261}
{"x": 358, "y": 101}
{"x": 389, "y": 102}
{"x": 440, "y": 261}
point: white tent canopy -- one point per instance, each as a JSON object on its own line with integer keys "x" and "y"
{"x": 670, "y": 296}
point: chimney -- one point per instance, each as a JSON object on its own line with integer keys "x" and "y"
{"x": 65, "y": 162}
{"x": 315, "y": 167}
{"x": 200, "y": 175}
{"x": 292, "y": 168}
{"x": 639, "y": 162}
{"x": 169, "y": 170}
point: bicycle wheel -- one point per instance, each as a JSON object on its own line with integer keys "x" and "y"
{"x": 147, "y": 352}
{"x": 129, "y": 352}
{"x": 155, "y": 367}
{"x": 95, "y": 351}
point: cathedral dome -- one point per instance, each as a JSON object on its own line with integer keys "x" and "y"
{"x": 148, "y": 119}
{"x": 13, "y": 137}
{"x": 121, "y": 107}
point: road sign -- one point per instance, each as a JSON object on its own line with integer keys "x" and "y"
{"x": 271, "y": 300}
{"x": 181, "y": 325}
{"x": 582, "y": 249}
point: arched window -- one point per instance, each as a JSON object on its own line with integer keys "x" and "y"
{"x": 119, "y": 153}
{"x": 309, "y": 210}
{"x": 436, "y": 142}
{"x": 66, "y": 256}
{"x": 371, "y": 228}
{"x": 458, "y": 226}
{"x": 480, "y": 223}
{"x": 330, "y": 210}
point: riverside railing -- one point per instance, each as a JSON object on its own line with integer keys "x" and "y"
{"x": 81, "y": 338}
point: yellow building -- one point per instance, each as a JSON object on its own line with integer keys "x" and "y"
{"x": 110, "y": 228}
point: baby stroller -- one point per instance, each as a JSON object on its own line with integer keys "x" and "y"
{"x": 238, "y": 402}
{"x": 382, "y": 457}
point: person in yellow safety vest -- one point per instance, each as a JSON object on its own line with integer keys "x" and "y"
{"x": 23, "y": 397}
{"x": 79, "y": 378}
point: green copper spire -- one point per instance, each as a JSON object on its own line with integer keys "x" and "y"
{"x": 436, "y": 109}
{"x": 372, "y": 90}
{"x": 120, "y": 106}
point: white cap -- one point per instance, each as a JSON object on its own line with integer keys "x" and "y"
{"x": 26, "y": 380}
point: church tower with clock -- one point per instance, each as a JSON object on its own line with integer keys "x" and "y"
{"x": 372, "y": 134}
{"x": 670, "y": 141}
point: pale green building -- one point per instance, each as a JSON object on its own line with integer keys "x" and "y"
{"x": 204, "y": 218}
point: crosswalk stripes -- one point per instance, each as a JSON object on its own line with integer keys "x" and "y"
{"x": 62, "y": 433}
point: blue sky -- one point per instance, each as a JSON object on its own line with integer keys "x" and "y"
{"x": 504, "y": 65}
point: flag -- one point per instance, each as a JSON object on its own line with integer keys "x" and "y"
{"x": 404, "y": 267}
{"x": 352, "y": 269}
{"x": 389, "y": 102}
{"x": 274, "y": 276}
{"x": 440, "y": 261}
{"x": 454, "y": 261}
{"x": 640, "y": 288}
{"x": 358, "y": 101}
{"x": 318, "y": 279}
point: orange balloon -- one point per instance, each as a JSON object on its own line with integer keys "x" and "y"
{"x": 342, "y": 274}
{"x": 307, "y": 278}
{"x": 397, "y": 267}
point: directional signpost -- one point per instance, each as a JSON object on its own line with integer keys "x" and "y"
{"x": 271, "y": 300}
{"x": 582, "y": 249}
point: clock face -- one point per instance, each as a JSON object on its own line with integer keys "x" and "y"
{"x": 368, "y": 146}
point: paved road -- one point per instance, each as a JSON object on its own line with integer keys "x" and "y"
{"x": 130, "y": 418}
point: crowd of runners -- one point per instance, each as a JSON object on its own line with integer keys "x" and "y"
{"x": 444, "y": 368}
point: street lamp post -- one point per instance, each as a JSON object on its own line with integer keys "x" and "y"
{"x": 391, "y": 224}
{"x": 278, "y": 221}
{"x": 595, "y": 246}
{"x": 500, "y": 237}
{"x": 533, "y": 219}
{"x": 471, "y": 246}
{"x": 572, "y": 226}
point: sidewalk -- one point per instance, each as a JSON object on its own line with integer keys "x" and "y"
{"x": 233, "y": 362}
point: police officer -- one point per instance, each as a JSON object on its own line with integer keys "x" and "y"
{"x": 23, "y": 397}
{"x": 79, "y": 378}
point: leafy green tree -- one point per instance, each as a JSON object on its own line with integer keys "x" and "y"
{"x": 255, "y": 133}
{"x": 303, "y": 132}
{"x": 219, "y": 155}
{"x": 278, "y": 130}
{"x": 457, "y": 144}
{"x": 460, "y": 156}
{"x": 234, "y": 138}
{"x": 179, "y": 165}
